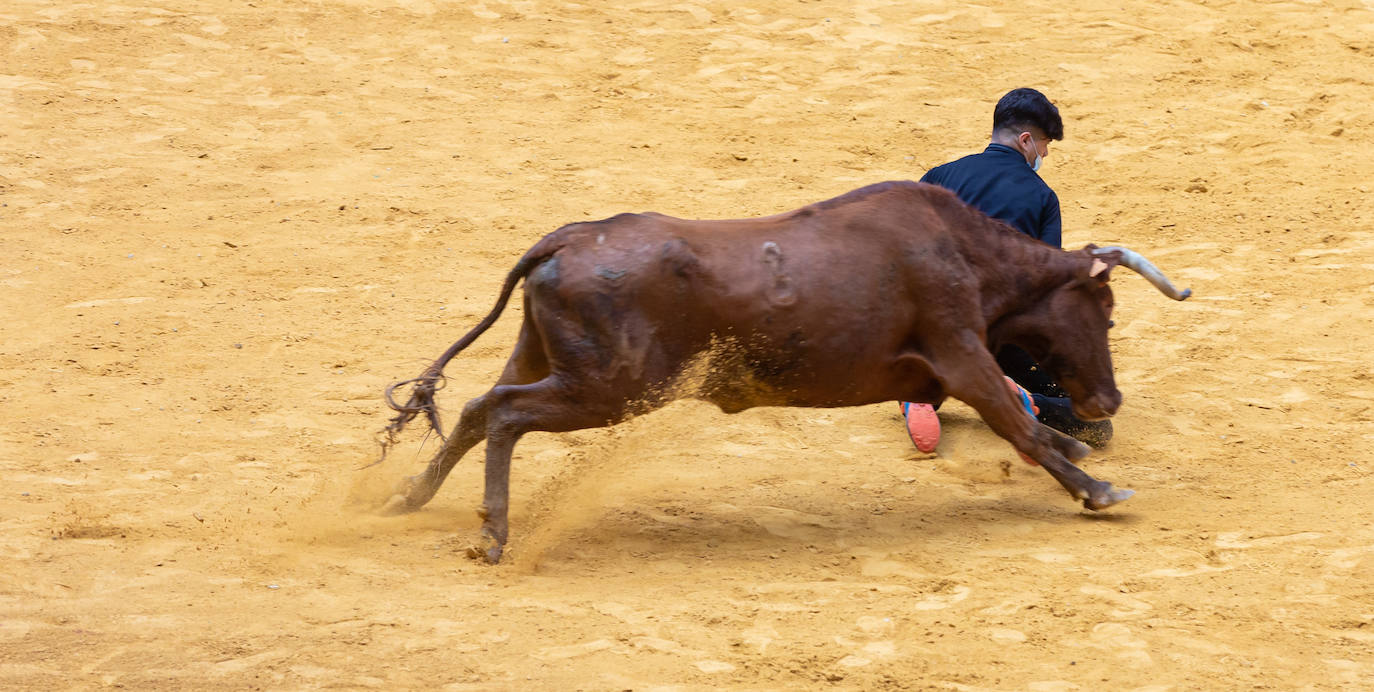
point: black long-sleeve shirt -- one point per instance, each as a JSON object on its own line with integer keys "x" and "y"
{"x": 1000, "y": 184}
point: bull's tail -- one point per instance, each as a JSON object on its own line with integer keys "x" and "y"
{"x": 423, "y": 387}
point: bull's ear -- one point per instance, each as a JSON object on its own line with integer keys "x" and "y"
{"x": 1100, "y": 265}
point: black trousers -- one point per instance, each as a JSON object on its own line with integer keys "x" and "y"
{"x": 1056, "y": 410}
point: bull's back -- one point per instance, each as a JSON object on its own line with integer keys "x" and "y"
{"x": 843, "y": 264}
{"x": 824, "y": 291}
{"x": 855, "y": 249}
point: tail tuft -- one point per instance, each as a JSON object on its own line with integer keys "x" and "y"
{"x": 421, "y": 400}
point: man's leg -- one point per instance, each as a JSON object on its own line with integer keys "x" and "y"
{"x": 1056, "y": 410}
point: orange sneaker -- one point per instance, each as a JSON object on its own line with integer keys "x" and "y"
{"x": 922, "y": 424}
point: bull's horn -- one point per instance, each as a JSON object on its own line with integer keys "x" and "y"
{"x": 1133, "y": 260}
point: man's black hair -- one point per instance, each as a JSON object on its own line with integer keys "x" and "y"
{"x": 1025, "y": 107}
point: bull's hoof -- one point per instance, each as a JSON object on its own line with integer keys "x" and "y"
{"x": 489, "y": 548}
{"x": 1106, "y": 498}
{"x": 397, "y": 505}
{"x": 410, "y": 495}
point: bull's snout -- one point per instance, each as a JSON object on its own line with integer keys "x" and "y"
{"x": 1098, "y": 407}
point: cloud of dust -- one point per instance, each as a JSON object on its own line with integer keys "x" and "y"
{"x": 342, "y": 509}
{"x": 616, "y": 466}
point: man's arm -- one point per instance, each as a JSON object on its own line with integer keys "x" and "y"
{"x": 1051, "y": 231}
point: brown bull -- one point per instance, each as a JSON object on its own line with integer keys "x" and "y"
{"x": 895, "y": 291}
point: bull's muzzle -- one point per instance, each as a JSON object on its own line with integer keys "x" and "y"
{"x": 1098, "y": 407}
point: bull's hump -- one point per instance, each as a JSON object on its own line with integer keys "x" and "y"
{"x": 652, "y": 218}
{"x": 867, "y": 192}
{"x": 624, "y": 219}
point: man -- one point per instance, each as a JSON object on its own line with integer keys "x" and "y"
{"x": 1002, "y": 182}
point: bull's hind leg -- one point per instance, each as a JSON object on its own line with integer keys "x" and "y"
{"x": 528, "y": 363}
{"x": 413, "y": 492}
{"x": 550, "y": 405}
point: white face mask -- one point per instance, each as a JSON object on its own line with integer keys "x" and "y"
{"x": 1035, "y": 165}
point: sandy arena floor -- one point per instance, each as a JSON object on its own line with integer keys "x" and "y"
{"x": 226, "y": 226}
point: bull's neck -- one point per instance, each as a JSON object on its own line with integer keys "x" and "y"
{"x": 1017, "y": 273}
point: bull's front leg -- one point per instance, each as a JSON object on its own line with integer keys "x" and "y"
{"x": 987, "y": 393}
{"x": 1095, "y": 494}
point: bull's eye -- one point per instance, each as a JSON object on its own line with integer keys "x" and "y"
{"x": 1111, "y": 323}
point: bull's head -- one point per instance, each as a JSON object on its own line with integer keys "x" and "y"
{"x": 1066, "y": 332}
